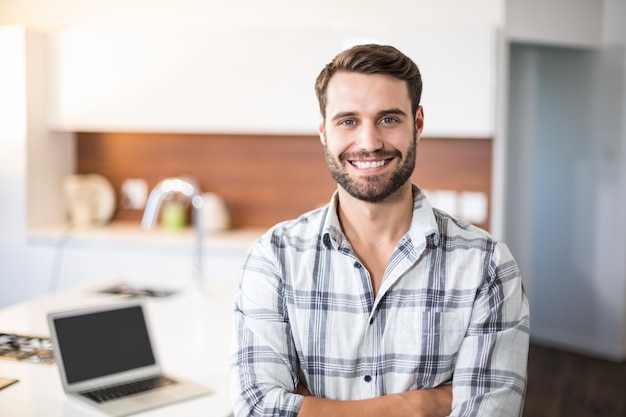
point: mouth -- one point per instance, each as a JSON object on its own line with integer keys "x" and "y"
{"x": 370, "y": 164}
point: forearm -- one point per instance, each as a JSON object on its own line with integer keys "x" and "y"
{"x": 436, "y": 402}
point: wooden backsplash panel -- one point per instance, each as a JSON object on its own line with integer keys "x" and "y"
{"x": 264, "y": 179}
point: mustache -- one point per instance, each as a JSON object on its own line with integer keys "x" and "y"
{"x": 382, "y": 154}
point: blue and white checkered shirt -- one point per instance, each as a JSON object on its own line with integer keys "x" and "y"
{"x": 451, "y": 309}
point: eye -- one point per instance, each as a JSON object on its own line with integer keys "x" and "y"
{"x": 388, "y": 120}
{"x": 347, "y": 122}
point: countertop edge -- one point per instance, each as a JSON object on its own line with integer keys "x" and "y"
{"x": 125, "y": 235}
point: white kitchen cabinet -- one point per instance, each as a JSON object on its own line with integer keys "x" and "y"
{"x": 60, "y": 269}
{"x": 61, "y": 259}
{"x": 253, "y": 79}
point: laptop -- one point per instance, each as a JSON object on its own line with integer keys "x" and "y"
{"x": 106, "y": 358}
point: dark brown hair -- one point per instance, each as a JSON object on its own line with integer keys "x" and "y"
{"x": 372, "y": 59}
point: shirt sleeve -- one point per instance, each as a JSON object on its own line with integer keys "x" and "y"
{"x": 490, "y": 373}
{"x": 264, "y": 371}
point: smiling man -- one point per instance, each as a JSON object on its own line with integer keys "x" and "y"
{"x": 378, "y": 304}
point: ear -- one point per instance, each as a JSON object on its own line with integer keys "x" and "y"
{"x": 320, "y": 131}
{"x": 419, "y": 122}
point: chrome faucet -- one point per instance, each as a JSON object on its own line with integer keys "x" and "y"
{"x": 189, "y": 189}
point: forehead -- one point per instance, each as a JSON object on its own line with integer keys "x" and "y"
{"x": 361, "y": 91}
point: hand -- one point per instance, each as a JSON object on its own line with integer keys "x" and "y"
{"x": 435, "y": 402}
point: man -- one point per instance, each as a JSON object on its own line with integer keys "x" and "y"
{"x": 378, "y": 304}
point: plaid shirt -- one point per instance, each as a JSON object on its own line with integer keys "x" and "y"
{"x": 451, "y": 309}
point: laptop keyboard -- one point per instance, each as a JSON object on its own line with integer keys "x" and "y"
{"x": 118, "y": 391}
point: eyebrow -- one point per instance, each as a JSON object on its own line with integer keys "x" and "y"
{"x": 394, "y": 111}
{"x": 387, "y": 112}
{"x": 343, "y": 114}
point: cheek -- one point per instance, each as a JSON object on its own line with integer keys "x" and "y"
{"x": 334, "y": 146}
{"x": 403, "y": 140}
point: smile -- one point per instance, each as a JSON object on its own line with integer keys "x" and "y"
{"x": 370, "y": 164}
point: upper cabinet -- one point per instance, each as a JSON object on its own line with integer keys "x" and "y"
{"x": 253, "y": 79}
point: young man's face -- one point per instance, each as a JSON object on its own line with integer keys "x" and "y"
{"x": 369, "y": 134}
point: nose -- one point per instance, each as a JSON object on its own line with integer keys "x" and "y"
{"x": 369, "y": 137}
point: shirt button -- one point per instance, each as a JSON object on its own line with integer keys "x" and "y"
{"x": 367, "y": 378}
{"x": 357, "y": 265}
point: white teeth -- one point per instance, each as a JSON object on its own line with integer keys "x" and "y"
{"x": 368, "y": 164}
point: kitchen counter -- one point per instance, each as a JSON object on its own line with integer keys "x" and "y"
{"x": 192, "y": 335}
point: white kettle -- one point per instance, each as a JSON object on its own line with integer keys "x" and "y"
{"x": 90, "y": 199}
{"x": 216, "y": 217}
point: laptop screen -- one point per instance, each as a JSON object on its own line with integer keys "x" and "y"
{"x": 103, "y": 343}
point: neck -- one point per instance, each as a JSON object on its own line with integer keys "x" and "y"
{"x": 373, "y": 224}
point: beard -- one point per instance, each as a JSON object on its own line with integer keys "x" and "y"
{"x": 373, "y": 188}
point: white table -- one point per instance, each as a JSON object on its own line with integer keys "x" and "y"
{"x": 193, "y": 340}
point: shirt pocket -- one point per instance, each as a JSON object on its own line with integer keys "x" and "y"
{"x": 424, "y": 345}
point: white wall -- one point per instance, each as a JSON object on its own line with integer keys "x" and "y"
{"x": 614, "y": 37}
{"x": 50, "y": 155}
{"x": 13, "y": 252}
{"x": 566, "y": 187}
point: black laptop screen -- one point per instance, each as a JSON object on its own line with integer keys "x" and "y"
{"x": 103, "y": 343}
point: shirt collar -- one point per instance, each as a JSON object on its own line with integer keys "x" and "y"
{"x": 332, "y": 234}
{"x": 423, "y": 224}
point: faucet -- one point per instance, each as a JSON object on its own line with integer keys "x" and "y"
{"x": 189, "y": 189}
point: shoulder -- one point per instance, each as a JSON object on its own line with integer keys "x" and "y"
{"x": 295, "y": 232}
{"x": 456, "y": 233}
{"x": 454, "y": 227}
{"x": 284, "y": 243}
{"x": 468, "y": 247}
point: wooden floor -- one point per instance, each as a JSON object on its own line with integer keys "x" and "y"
{"x": 567, "y": 384}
